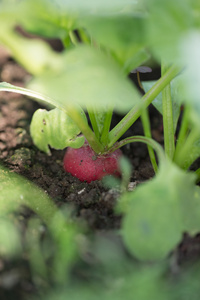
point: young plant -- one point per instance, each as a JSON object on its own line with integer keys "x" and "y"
{"x": 103, "y": 43}
{"x": 90, "y": 77}
{"x": 60, "y": 128}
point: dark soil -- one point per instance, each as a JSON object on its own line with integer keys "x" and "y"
{"x": 92, "y": 202}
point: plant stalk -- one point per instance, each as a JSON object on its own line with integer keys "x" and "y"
{"x": 197, "y": 172}
{"x": 147, "y": 132}
{"x": 135, "y": 112}
{"x": 188, "y": 153}
{"x": 106, "y": 127}
{"x": 90, "y": 136}
{"x": 183, "y": 133}
{"x": 168, "y": 126}
{"x": 147, "y": 129}
{"x": 143, "y": 139}
{"x": 93, "y": 120}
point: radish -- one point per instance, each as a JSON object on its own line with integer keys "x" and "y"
{"x": 86, "y": 165}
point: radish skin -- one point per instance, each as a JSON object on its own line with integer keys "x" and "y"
{"x": 86, "y": 165}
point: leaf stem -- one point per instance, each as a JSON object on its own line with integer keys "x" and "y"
{"x": 143, "y": 139}
{"x": 147, "y": 132}
{"x": 85, "y": 129}
{"x": 182, "y": 135}
{"x": 135, "y": 112}
{"x": 197, "y": 172}
{"x": 83, "y": 36}
{"x": 106, "y": 127}
{"x": 167, "y": 117}
{"x": 147, "y": 128}
{"x": 93, "y": 120}
{"x": 188, "y": 153}
{"x": 73, "y": 38}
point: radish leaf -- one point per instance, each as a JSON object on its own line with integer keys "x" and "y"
{"x": 56, "y": 129}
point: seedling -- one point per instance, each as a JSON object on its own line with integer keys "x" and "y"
{"x": 102, "y": 46}
{"x": 85, "y": 78}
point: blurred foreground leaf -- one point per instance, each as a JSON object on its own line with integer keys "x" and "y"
{"x": 16, "y": 191}
{"x": 158, "y": 212}
{"x": 88, "y": 76}
{"x": 140, "y": 284}
{"x": 190, "y": 83}
{"x": 167, "y": 23}
{"x": 124, "y": 37}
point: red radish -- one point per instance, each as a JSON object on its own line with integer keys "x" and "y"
{"x": 86, "y": 165}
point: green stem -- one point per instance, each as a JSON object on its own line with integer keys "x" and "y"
{"x": 73, "y": 38}
{"x": 147, "y": 129}
{"x": 94, "y": 123}
{"x": 135, "y": 112}
{"x": 188, "y": 153}
{"x": 150, "y": 142}
{"x": 106, "y": 127}
{"x": 84, "y": 37}
{"x": 182, "y": 133}
{"x": 66, "y": 41}
{"x": 168, "y": 126}
{"x": 147, "y": 132}
{"x": 90, "y": 136}
{"x": 197, "y": 172}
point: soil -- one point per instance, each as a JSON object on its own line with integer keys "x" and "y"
{"x": 92, "y": 202}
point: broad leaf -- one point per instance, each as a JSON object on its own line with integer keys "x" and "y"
{"x": 37, "y": 16}
{"x": 155, "y": 213}
{"x": 191, "y": 209}
{"x": 36, "y": 56}
{"x": 124, "y": 37}
{"x": 88, "y": 76}
{"x": 98, "y": 7}
{"x": 16, "y": 191}
{"x": 190, "y": 83}
{"x": 46, "y": 18}
{"x": 167, "y": 23}
{"x": 141, "y": 283}
{"x": 56, "y": 129}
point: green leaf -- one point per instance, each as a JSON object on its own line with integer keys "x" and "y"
{"x": 155, "y": 213}
{"x": 124, "y": 37}
{"x": 46, "y": 18}
{"x": 16, "y": 191}
{"x": 98, "y": 7}
{"x": 37, "y": 16}
{"x": 56, "y": 129}
{"x": 166, "y": 25}
{"x": 141, "y": 283}
{"x": 191, "y": 209}
{"x": 190, "y": 82}
{"x": 35, "y": 55}
{"x": 175, "y": 95}
{"x": 88, "y": 76}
